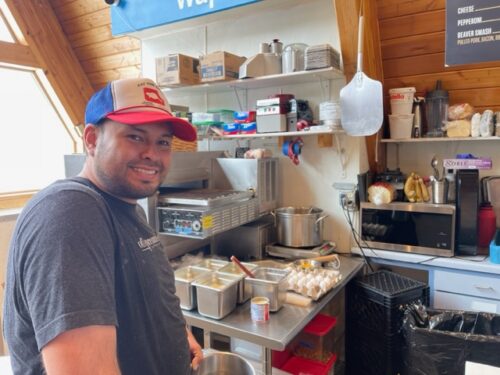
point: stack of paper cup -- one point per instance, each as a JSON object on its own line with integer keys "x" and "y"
{"x": 401, "y": 118}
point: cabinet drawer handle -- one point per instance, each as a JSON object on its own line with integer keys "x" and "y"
{"x": 484, "y": 287}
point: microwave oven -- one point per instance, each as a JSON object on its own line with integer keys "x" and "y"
{"x": 418, "y": 228}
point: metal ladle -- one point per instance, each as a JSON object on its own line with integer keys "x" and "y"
{"x": 434, "y": 163}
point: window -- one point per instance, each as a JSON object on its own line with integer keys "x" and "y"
{"x": 34, "y": 139}
{"x": 34, "y": 132}
{"x": 5, "y": 34}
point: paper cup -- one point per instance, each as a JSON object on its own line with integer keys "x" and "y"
{"x": 402, "y": 100}
{"x": 400, "y": 126}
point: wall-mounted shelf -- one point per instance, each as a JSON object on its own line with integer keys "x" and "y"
{"x": 275, "y": 80}
{"x": 312, "y": 131}
{"x": 441, "y": 139}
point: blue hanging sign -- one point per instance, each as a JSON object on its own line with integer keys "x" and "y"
{"x": 134, "y": 15}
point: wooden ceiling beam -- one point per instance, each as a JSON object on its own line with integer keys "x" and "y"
{"x": 54, "y": 54}
{"x": 17, "y": 54}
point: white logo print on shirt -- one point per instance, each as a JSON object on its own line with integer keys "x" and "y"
{"x": 149, "y": 243}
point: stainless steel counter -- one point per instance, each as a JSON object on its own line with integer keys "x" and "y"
{"x": 282, "y": 326}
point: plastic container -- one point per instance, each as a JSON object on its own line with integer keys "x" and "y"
{"x": 315, "y": 341}
{"x": 329, "y": 113}
{"x": 495, "y": 248}
{"x": 436, "y": 111}
{"x": 401, "y": 100}
{"x": 401, "y": 126}
{"x": 486, "y": 225}
{"x": 297, "y": 365}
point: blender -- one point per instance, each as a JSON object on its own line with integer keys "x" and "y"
{"x": 436, "y": 110}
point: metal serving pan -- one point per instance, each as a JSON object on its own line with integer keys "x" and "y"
{"x": 184, "y": 289}
{"x": 216, "y": 294}
{"x": 244, "y": 288}
{"x": 271, "y": 283}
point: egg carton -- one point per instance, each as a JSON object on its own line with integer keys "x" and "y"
{"x": 314, "y": 282}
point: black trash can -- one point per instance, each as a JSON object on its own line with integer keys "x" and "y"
{"x": 439, "y": 342}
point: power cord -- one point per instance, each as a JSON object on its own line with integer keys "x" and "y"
{"x": 355, "y": 234}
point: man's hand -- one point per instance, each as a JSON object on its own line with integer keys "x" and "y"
{"x": 195, "y": 349}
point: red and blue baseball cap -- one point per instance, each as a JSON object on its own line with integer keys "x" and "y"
{"x": 136, "y": 101}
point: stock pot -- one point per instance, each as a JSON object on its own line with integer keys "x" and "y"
{"x": 299, "y": 226}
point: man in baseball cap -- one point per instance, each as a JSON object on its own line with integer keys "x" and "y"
{"x": 89, "y": 288}
{"x": 133, "y": 102}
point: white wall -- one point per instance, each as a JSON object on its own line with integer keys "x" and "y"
{"x": 312, "y": 22}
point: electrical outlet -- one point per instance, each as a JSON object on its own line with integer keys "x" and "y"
{"x": 349, "y": 199}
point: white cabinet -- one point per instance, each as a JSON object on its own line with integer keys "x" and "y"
{"x": 454, "y": 289}
{"x": 454, "y": 301}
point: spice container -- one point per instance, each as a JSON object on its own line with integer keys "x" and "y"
{"x": 244, "y": 288}
{"x": 271, "y": 283}
{"x": 216, "y": 295}
{"x": 184, "y": 289}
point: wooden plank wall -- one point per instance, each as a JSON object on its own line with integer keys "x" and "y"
{"x": 412, "y": 35}
{"x": 87, "y": 25}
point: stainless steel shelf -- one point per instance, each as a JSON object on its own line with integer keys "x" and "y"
{"x": 275, "y": 80}
{"x": 441, "y": 139}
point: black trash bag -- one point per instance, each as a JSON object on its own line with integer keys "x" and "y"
{"x": 439, "y": 342}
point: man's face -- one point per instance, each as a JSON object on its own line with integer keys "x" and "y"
{"x": 130, "y": 162}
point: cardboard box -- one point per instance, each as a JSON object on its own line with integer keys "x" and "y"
{"x": 177, "y": 70}
{"x": 220, "y": 66}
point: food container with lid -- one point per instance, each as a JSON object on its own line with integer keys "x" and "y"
{"x": 271, "y": 283}
{"x": 244, "y": 288}
{"x": 315, "y": 341}
{"x": 184, "y": 289}
{"x": 211, "y": 264}
{"x": 216, "y": 294}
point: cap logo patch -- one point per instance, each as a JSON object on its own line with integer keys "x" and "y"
{"x": 152, "y": 95}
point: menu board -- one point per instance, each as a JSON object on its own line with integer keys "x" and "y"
{"x": 472, "y": 31}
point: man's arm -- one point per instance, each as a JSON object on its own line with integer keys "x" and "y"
{"x": 82, "y": 351}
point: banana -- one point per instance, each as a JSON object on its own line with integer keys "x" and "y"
{"x": 409, "y": 188}
{"x": 423, "y": 187}
{"x": 418, "y": 188}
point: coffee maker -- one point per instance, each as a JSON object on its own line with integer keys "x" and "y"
{"x": 467, "y": 207}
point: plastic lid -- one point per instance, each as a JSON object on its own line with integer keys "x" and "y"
{"x": 298, "y": 365}
{"x": 320, "y": 325}
{"x": 438, "y": 92}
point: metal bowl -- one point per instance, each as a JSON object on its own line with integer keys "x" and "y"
{"x": 224, "y": 363}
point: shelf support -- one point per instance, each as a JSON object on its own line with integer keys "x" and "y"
{"x": 341, "y": 152}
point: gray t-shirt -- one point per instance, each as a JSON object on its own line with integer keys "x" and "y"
{"x": 81, "y": 257}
